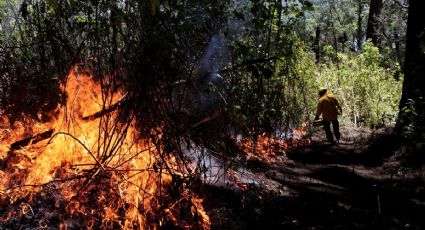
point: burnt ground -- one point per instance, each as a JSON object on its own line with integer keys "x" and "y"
{"x": 361, "y": 183}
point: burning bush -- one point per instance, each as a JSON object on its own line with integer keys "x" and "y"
{"x": 89, "y": 167}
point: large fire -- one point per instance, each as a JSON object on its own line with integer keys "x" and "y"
{"x": 90, "y": 171}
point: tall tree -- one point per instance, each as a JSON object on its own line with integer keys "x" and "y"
{"x": 373, "y": 23}
{"x": 316, "y": 45}
{"x": 359, "y": 24}
{"x": 414, "y": 65}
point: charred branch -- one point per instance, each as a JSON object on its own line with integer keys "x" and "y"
{"x": 103, "y": 112}
{"x": 31, "y": 140}
{"x": 123, "y": 102}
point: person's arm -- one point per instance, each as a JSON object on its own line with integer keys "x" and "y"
{"x": 318, "y": 111}
{"x": 338, "y": 106}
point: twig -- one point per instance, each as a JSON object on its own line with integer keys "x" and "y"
{"x": 5, "y": 194}
{"x": 379, "y": 204}
{"x": 41, "y": 185}
{"x": 81, "y": 143}
{"x": 207, "y": 119}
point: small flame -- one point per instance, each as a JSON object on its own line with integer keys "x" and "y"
{"x": 199, "y": 210}
{"x": 269, "y": 148}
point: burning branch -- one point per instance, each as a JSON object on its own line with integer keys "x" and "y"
{"x": 120, "y": 103}
{"x": 31, "y": 140}
{"x": 105, "y": 111}
{"x": 208, "y": 118}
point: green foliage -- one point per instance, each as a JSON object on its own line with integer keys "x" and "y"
{"x": 285, "y": 94}
{"x": 368, "y": 92}
{"x": 273, "y": 95}
{"x": 268, "y": 86}
{"x": 413, "y": 119}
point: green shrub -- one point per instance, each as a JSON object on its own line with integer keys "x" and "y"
{"x": 368, "y": 92}
{"x": 413, "y": 120}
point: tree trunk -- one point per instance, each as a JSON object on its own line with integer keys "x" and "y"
{"x": 335, "y": 39}
{"x": 414, "y": 62}
{"x": 399, "y": 54}
{"x": 359, "y": 25}
{"x": 316, "y": 46}
{"x": 373, "y": 23}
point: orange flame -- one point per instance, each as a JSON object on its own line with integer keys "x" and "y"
{"x": 269, "y": 148}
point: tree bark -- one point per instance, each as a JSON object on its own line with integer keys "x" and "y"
{"x": 373, "y": 23}
{"x": 359, "y": 24}
{"x": 414, "y": 62}
{"x": 335, "y": 39}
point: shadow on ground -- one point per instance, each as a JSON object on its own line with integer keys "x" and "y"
{"x": 326, "y": 192}
{"x": 369, "y": 153}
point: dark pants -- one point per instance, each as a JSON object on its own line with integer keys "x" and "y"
{"x": 335, "y": 126}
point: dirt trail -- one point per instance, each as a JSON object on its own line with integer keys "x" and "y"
{"x": 356, "y": 184}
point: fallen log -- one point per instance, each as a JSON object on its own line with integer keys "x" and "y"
{"x": 31, "y": 140}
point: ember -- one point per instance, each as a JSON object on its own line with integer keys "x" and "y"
{"x": 269, "y": 148}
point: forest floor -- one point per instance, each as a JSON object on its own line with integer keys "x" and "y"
{"x": 360, "y": 183}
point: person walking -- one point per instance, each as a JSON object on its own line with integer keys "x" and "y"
{"x": 329, "y": 108}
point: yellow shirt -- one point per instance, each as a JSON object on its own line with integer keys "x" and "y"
{"x": 328, "y": 106}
